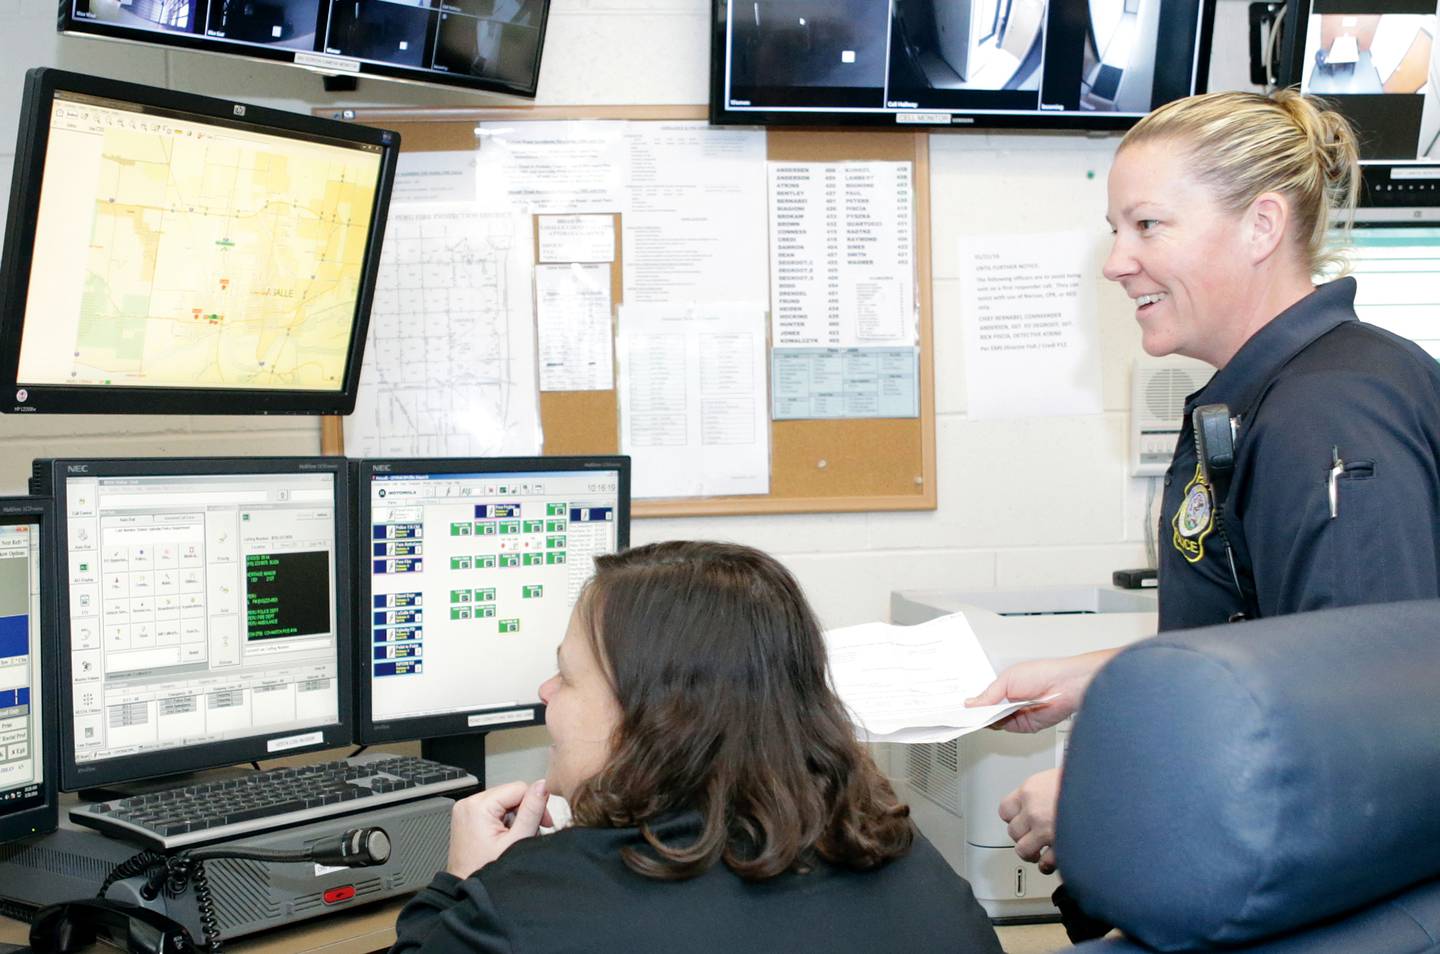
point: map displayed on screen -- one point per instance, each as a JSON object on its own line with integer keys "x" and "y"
{"x": 176, "y": 253}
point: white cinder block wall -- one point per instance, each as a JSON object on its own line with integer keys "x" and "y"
{"x": 1023, "y": 503}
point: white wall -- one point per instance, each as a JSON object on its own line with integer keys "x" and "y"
{"x": 1022, "y": 503}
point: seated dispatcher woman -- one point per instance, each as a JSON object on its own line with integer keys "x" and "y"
{"x": 720, "y": 800}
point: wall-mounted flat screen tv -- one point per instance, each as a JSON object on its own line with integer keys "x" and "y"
{"x": 480, "y": 44}
{"x": 1378, "y": 63}
{"x": 1089, "y": 64}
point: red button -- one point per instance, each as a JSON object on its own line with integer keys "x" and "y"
{"x": 336, "y": 895}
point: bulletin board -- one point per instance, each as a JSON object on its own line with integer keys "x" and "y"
{"x": 827, "y": 465}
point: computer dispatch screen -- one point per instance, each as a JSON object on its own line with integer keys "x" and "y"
{"x": 472, "y": 578}
{"x": 202, "y": 609}
{"x": 22, "y": 766}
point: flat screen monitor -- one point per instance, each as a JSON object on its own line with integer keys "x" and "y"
{"x": 1397, "y": 273}
{"x": 27, "y": 709}
{"x": 171, "y": 253}
{"x": 963, "y": 63}
{"x": 205, "y": 613}
{"x": 1378, "y": 63}
{"x": 489, "y": 45}
{"x": 471, "y": 572}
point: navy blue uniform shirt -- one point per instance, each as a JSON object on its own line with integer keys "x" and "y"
{"x": 1313, "y": 381}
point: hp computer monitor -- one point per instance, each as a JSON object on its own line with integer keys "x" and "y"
{"x": 1378, "y": 63}
{"x": 172, "y": 253}
{"x": 1049, "y": 64}
{"x": 27, "y": 709}
{"x": 470, "y": 573}
{"x": 205, "y": 612}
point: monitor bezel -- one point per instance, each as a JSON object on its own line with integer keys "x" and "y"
{"x": 906, "y": 121}
{"x": 39, "y": 819}
{"x": 368, "y": 731}
{"x": 32, "y": 141}
{"x": 75, "y": 775}
{"x": 321, "y": 64}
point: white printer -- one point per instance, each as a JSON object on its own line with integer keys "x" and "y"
{"x": 954, "y": 788}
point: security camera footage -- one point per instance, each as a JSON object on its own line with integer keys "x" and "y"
{"x": 958, "y": 61}
{"x": 1378, "y": 63}
{"x": 486, "y": 43}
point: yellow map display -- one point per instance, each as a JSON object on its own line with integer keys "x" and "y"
{"x": 215, "y": 258}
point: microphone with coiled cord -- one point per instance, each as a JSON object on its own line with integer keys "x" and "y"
{"x": 353, "y": 848}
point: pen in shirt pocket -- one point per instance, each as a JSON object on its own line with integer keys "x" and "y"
{"x": 1337, "y": 467}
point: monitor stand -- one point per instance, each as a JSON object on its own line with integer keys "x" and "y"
{"x": 462, "y": 751}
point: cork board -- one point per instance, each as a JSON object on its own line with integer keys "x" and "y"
{"x": 815, "y": 465}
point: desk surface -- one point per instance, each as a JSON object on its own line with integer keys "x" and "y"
{"x": 372, "y": 928}
{"x": 358, "y": 931}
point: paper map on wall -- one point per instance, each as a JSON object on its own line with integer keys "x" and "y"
{"x": 450, "y": 359}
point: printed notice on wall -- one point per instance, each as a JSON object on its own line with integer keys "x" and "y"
{"x": 434, "y": 177}
{"x": 552, "y": 166}
{"x": 692, "y": 399}
{"x": 572, "y": 323}
{"x": 818, "y": 383}
{"x": 842, "y": 255}
{"x": 1032, "y": 342}
{"x": 694, "y": 229}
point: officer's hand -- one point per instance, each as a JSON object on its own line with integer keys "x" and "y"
{"x": 1029, "y": 812}
{"x": 1060, "y": 683}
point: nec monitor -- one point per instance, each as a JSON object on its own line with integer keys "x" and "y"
{"x": 961, "y": 63}
{"x": 170, "y": 253}
{"x": 1377, "y": 63}
{"x": 491, "y": 45}
{"x": 205, "y": 612}
{"x": 27, "y": 708}
{"x": 471, "y": 570}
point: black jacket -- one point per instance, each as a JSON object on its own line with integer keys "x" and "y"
{"x": 570, "y": 892}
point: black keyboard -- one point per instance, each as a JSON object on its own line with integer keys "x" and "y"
{"x": 273, "y": 798}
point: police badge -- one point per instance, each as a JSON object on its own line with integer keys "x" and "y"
{"x": 1195, "y": 518}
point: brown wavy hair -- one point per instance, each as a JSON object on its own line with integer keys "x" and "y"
{"x": 727, "y": 710}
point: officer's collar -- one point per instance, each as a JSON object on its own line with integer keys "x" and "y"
{"x": 1268, "y": 349}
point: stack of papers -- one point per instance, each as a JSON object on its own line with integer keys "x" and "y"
{"x": 910, "y": 683}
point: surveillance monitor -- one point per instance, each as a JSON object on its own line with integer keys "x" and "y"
{"x": 1377, "y": 63}
{"x": 1049, "y": 64}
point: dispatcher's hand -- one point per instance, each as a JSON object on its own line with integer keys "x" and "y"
{"x": 1060, "y": 682}
{"x": 484, "y": 825}
{"x": 1029, "y": 812}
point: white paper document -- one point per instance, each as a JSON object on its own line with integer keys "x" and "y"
{"x": 694, "y": 229}
{"x": 910, "y": 683}
{"x": 842, "y": 255}
{"x": 450, "y": 357}
{"x": 1032, "y": 338}
{"x": 693, "y": 399}
{"x": 552, "y": 166}
{"x": 572, "y": 321}
{"x": 447, "y": 176}
{"x": 577, "y": 238}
